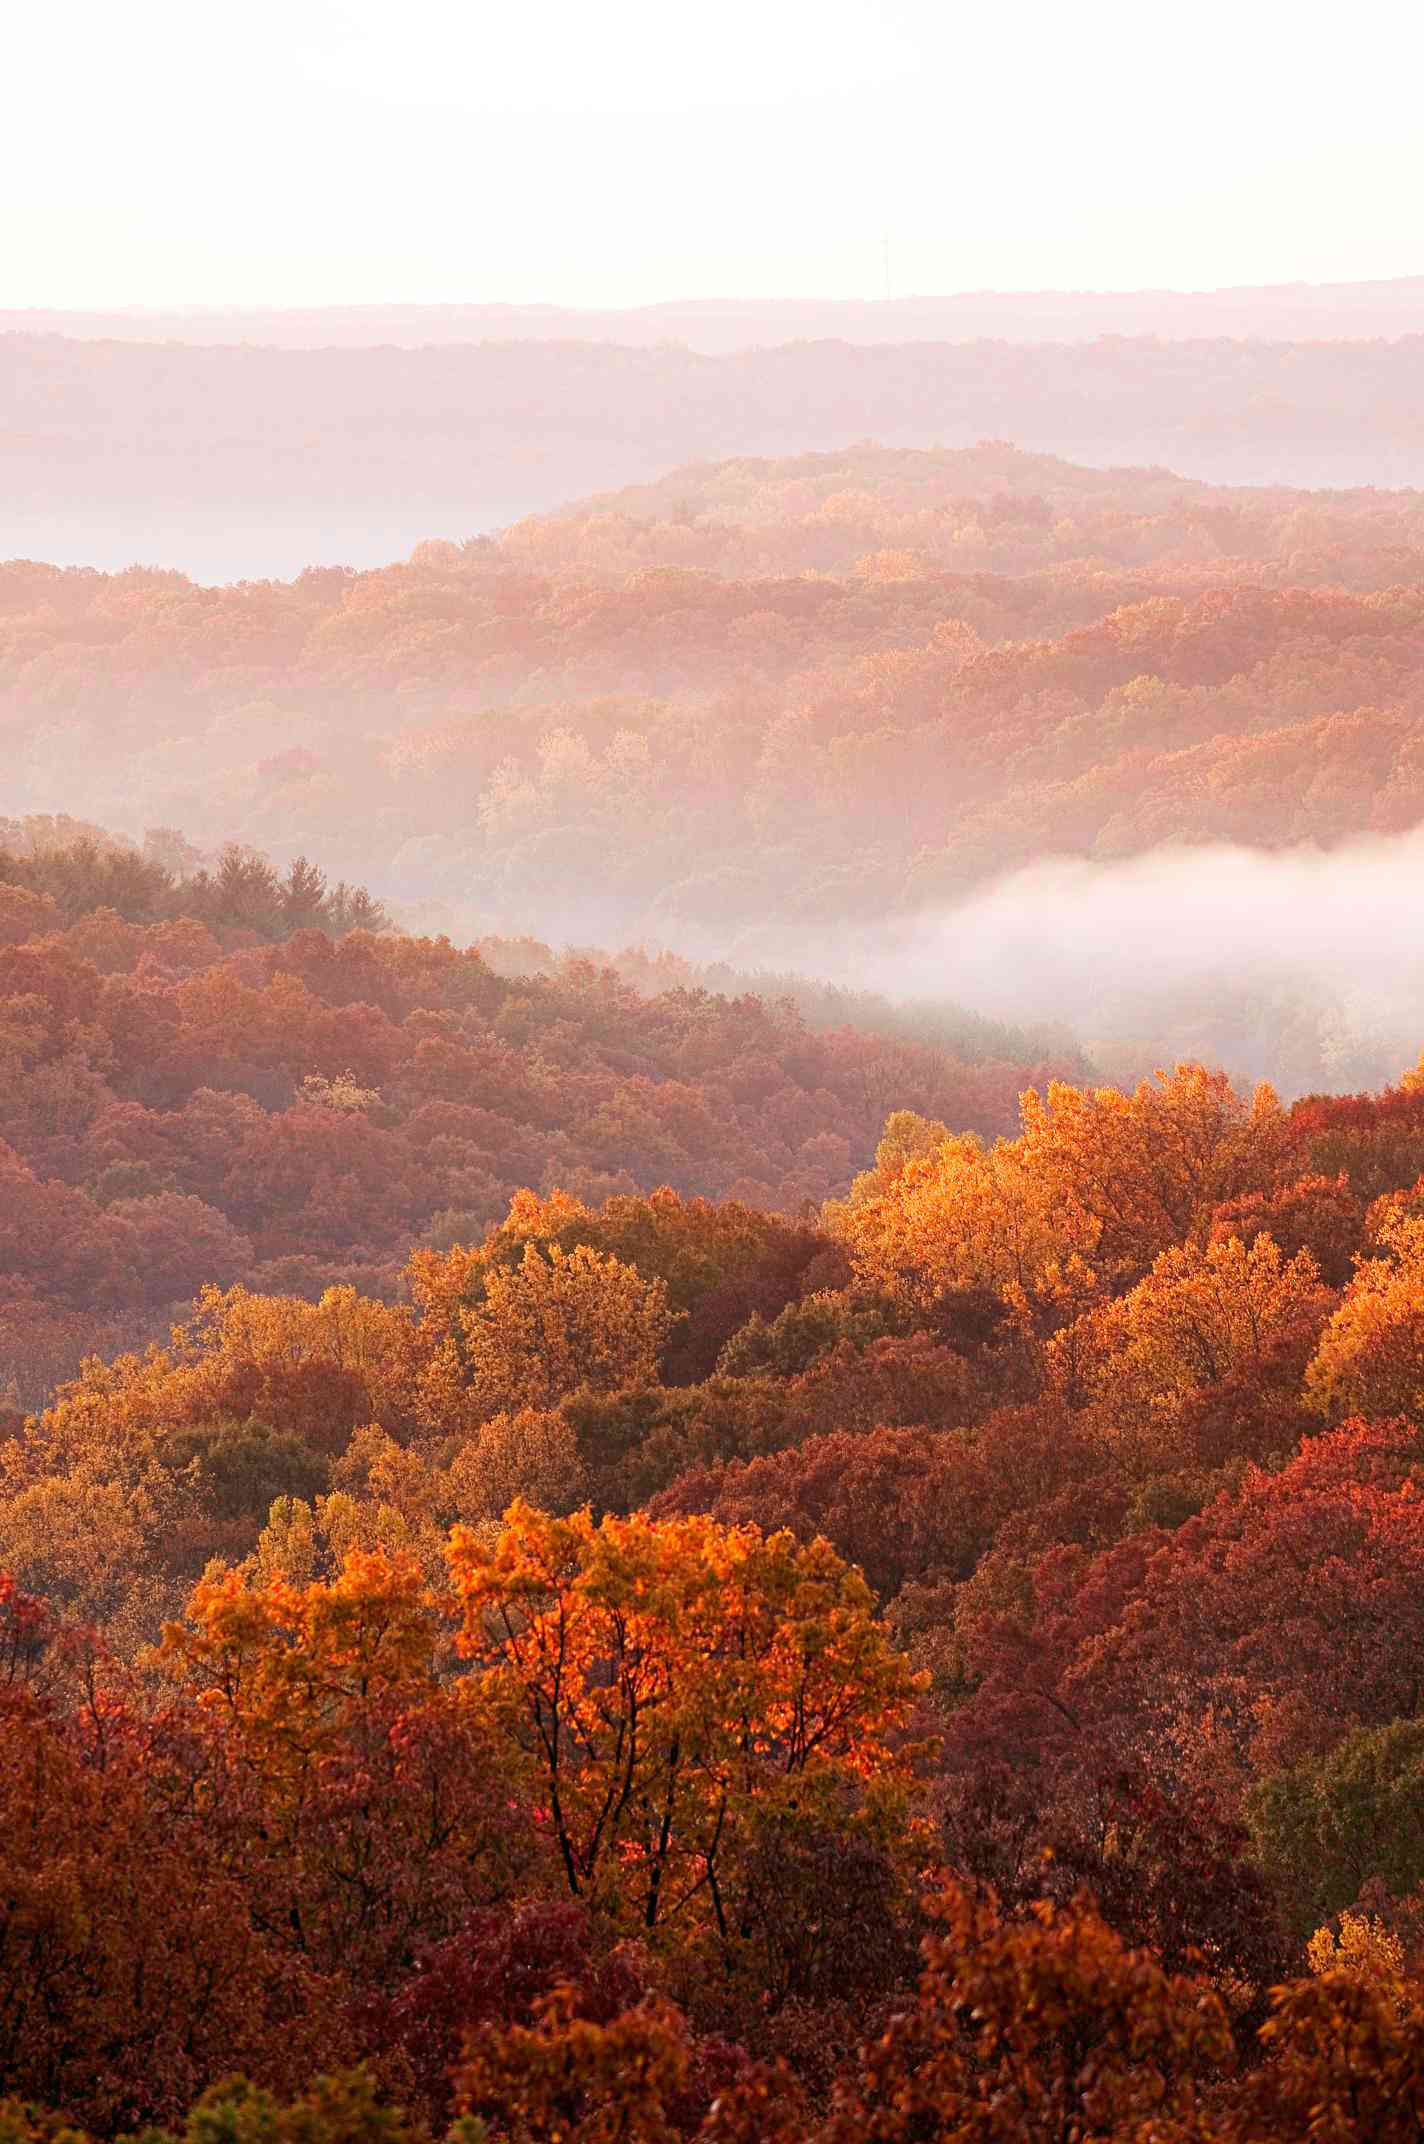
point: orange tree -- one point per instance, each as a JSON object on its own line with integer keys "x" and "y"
{"x": 131, "y": 1966}
{"x": 1038, "y": 2030}
{"x": 688, "y": 1694}
{"x": 1344, "y": 2061}
{"x": 359, "y": 1790}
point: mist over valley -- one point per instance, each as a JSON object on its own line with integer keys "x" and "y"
{"x": 711, "y": 1084}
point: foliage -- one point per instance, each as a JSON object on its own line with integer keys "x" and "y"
{"x": 188, "y": 1104}
{"x": 679, "y": 1688}
{"x": 462, "y": 1659}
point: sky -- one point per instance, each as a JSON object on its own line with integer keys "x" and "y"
{"x": 307, "y": 152}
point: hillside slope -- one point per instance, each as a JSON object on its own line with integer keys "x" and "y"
{"x": 223, "y": 1084}
{"x": 836, "y": 688}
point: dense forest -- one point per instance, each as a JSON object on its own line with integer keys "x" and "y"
{"x": 853, "y": 682}
{"x": 686, "y": 1456}
{"x": 233, "y": 1075}
{"x": 779, "y": 712}
{"x": 942, "y": 1665}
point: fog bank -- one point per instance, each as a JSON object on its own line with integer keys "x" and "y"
{"x": 220, "y": 543}
{"x": 1304, "y": 965}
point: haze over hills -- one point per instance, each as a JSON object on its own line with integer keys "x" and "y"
{"x": 1109, "y": 747}
{"x": 711, "y": 1094}
{"x": 235, "y": 461}
{"x": 1332, "y": 312}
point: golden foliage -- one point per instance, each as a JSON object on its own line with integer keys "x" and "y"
{"x": 674, "y": 1683}
{"x": 1359, "y": 1944}
{"x": 1200, "y": 1314}
{"x": 1371, "y": 1355}
{"x": 561, "y": 1320}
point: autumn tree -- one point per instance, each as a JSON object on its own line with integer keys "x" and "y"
{"x": 1319, "y": 1214}
{"x": 361, "y": 1791}
{"x": 1198, "y": 1317}
{"x": 1135, "y": 1170}
{"x": 901, "y": 1504}
{"x": 959, "y": 1220}
{"x": 558, "y": 1321}
{"x": 131, "y": 1966}
{"x": 1032, "y": 2030}
{"x": 680, "y": 1689}
{"x": 1370, "y": 1354}
{"x": 579, "y": 2078}
{"x": 1344, "y": 2059}
{"x": 1248, "y": 1638}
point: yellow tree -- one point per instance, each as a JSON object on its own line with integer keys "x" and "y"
{"x": 1200, "y": 1315}
{"x": 679, "y": 1687}
{"x": 532, "y": 1454}
{"x": 1097, "y": 1183}
{"x": 907, "y": 1137}
{"x": 959, "y": 1217}
{"x": 1371, "y": 1355}
{"x": 557, "y": 1321}
{"x": 1136, "y": 1170}
{"x": 320, "y": 1370}
{"x": 446, "y": 1283}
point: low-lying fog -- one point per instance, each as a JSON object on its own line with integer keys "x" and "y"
{"x": 1302, "y": 966}
{"x": 241, "y": 543}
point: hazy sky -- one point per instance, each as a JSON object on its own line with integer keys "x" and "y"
{"x": 320, "y": 151}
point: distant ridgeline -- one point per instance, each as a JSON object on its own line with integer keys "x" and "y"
{"x": 1385, "y": 306}
{"x": 505, "y": 415}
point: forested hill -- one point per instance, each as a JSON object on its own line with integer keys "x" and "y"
{"x": 587, "y": 1555}
{"x": 833, "y": 689}
{"x": 985, "y": 1616}
{"x": 240, "y": 1075}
